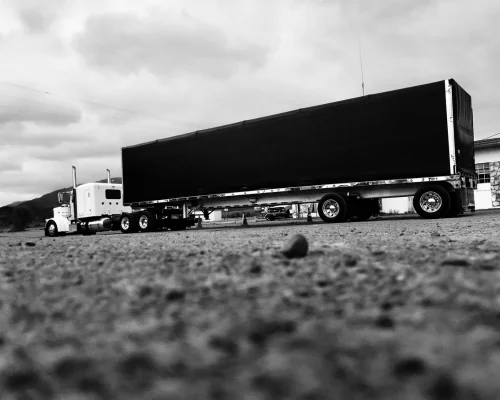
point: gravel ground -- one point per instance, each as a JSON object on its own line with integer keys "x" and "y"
{"x": 386, "y": 309}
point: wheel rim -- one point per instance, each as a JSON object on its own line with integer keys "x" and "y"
{"x": 331, "y": 208}
{"x": 431, "y": 202}
{"x": 143, "y": 222}
{"x": 52, "y": 229}
{"x": 125, "y": 223}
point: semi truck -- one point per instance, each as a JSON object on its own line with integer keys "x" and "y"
{"x": 344, "y": 156}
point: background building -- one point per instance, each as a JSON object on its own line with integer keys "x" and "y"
{"x": 487, "y": 195}
{"x": 487, "y": 152}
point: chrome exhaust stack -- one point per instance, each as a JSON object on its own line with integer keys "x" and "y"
{"x": 74, "y": 177}
{"x": 109, "y": 176}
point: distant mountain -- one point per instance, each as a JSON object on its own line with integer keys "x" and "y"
{"x": 40, "y": 208}
{"x": 16, "y": 203}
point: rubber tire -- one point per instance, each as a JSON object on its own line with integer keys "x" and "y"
{"x": 151, "y": 226}
{"x": 133, "y": 225}
{"x": 177, "y": 226}
{"x": 455, "y": 207}
{"x": 56, "y": 233}
{"x": 362, "y": 211}
{"x": 341, "y": 216}
{"x": 445, "y": 200}
{"x": 270, "y": 217}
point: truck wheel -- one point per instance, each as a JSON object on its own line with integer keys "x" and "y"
{"x": 146, "y": 221}
{"x": 332, "y": 208}
{"x": 432, "y": 202}
{"x": 51, "y": 229}
{"x": 128, "y": 223}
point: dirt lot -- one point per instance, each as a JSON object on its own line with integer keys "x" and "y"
{"x": 387, "y": 309}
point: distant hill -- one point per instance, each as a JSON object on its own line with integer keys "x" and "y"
{"x": 16, "y": 203}
{"x": 40, "y": 208}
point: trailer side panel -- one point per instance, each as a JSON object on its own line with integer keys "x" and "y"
{"x": 392, "y": 135}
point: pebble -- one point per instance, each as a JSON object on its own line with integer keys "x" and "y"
{"x": 295, "y": 247}
{"x": 456, "y": 261}
{"x": 385, "y": 322}
{"x": 409, "y": 366}
{"x": 444, "y": 387}
{"x": 175, "y": 295}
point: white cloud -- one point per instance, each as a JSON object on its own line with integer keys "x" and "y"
{"x": 95, "y": 75}
{"x": 164, "y": 46}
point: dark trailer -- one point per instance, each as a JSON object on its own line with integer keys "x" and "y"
{"x": 407, "y": 136}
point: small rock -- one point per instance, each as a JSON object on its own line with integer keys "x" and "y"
{"x": 255, "y": 268}
{"x": 323, "y": 283}
{"x": 145, "y": 291}
{"x": 384, "y": 321}
{"x": 350, "y": 260}
{"x": 138, "y": 366}
{"x": 296, "y": 247}
{"x": 224, "y": 344}
{"x": 444, "y": 387}
{"x": 263, "y": 330}
{"x": 175, "y": 295}
{"x": 487, "y": 267}
{"x": 456, "y": 262}
{"x": 409, "y": 366}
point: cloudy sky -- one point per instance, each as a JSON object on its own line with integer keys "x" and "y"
{"x": 79, "y": 79}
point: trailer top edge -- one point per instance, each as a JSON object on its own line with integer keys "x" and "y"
{"x": 283, "y": 114}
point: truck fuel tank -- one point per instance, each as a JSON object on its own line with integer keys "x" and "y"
{"x": 100, "y": 225}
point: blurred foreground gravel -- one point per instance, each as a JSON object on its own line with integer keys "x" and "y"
{"x": 396, "y": 308}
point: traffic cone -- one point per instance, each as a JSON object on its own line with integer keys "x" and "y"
{"x": 244, "y": 220}
{"x": 309, "y": 216}
{"x": 199, "y": 223}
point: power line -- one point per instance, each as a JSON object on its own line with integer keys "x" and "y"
{"x": 93, "y": 103}
{"x": 491, "y": 136}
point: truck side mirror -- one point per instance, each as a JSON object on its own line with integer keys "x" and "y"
{"x": 60, "y": 197}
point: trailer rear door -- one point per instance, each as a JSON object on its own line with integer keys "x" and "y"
{"x": 464, "y": 129}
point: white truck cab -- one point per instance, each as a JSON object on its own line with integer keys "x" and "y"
{"x": 87, "y": 209}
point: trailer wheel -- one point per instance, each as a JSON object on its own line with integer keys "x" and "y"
{"x": 128, "y": 223}
{"x": 51, "y": 229}
{"x": 146, "y": 221}
{"x": 332, "y": 208}
{"x": 363, "y": 210}
{"x": 455, "y": 206}
{"x": 432, "y": 202}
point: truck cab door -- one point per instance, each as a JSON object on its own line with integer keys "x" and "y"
{"x": 87, "y": 200}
